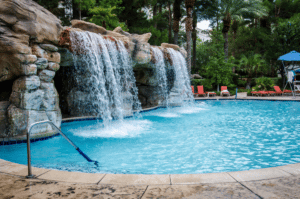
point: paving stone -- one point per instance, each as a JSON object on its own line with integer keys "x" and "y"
{"x": 287, "y": 188}
{"x": 129, "y": 179}
{"x": 258, "y": 174}
{"x": 21, "y": 170}
{"x": 75, "y": 177}
{"x": 228, "y": 190}
{"x": 201, "y": 178}
{"x": 291, "y": 168}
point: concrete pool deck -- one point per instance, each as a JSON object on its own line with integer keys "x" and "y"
{"x": 275, "y": 182}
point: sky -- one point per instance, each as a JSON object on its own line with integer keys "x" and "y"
{"x": 203, "y": 25}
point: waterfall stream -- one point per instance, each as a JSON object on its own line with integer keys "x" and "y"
{"x": 161, "y": 75}
{"x": 181, "y": 93}
{"x": 105, "y": 84}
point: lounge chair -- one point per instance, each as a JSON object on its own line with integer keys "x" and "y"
{"x": 193, "y": 90}
{"x": 255, "y": 93}
{"x": 200, "y": 91}
{"x": 224, "y": 91}
{"x": 265, "y": 93}
{"x": 278, "y": 90}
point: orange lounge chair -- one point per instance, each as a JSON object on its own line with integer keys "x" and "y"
{"x": 287, "y": 92}
{"x": 255, "y": 93}
{"x": 200, "y": 91}
{"x": 265, "y": 93}
{"x": 224, "y": 91}
{"x": 271, "y": 92}
{"x": 193, "y": 90}
{"x": 278, "y": 90}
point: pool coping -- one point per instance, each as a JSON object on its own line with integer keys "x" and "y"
{"x": 288, "y": 170}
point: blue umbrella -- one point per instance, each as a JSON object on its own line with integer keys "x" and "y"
{"x": 291, "y": 56}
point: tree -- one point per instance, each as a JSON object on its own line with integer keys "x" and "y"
{"x": 106, "y": 14}
{"x": 176, "y": 19}
{"x": 84, "y": 5}
{"x": 219, "y": 71}
{"x": 236, "y": 10}
{"x": 189, "y": 4}
{"x": 253, "y": 63}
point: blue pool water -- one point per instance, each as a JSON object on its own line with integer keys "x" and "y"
{"x": 213, "y": 136}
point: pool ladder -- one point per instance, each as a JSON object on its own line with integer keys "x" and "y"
{"x": 28, "y": 145}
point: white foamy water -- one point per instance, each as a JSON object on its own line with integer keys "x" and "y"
{"x": 116, "y": 129}
{"x": 167, "y": 114}
{"x": 189, "y": 110}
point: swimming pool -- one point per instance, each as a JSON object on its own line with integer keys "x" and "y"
{"x": 213, "y": 136}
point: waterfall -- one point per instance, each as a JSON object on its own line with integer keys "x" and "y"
{"x": 181, "y": 93}
{"x": 160, "y": 73}
{"x": 105, "y": 85}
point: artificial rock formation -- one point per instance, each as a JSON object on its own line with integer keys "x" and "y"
{"x": 35, "y": 56}
{"x": 29, "y": 59}
{"x": 140, "y": 51}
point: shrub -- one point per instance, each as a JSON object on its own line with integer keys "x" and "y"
{"x": 264, "y": 83}
{"x": 241, "y": 83}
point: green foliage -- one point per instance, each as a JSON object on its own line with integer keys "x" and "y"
{"x": 241, "y": 83}
{"x": 252, "y": 63}
{"x": 219, "y": 71}
{"x": 85, "y": 4}
{"x": 264, "y": 83}
{"x": 206, "y": 50}
{"x": 106, "y": 15}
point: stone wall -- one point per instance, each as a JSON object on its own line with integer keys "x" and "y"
{"x": 28, "y": 62}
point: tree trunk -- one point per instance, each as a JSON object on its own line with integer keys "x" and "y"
{"x": 170, "y": 22}
{"x": 79, "y": 11}
{"x": 189, "y": 28}
{"x": 226, "y": 27}
{"x": 176, "y": 38}
{"x": 194, "y": 38}
{"x": 176, "y": 19}
{"x": 226, "y": 45}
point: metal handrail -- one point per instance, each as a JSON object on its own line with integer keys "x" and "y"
{"x": 52, "y": 124}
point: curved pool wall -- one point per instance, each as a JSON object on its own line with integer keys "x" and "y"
{"x": 82, "y": 119}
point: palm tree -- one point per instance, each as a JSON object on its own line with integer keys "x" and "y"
{"x": 176, "y": 19}
{"x": 252, "y": 64}
{"x": 236, "y": 10}
{"x": 189, "y": 4}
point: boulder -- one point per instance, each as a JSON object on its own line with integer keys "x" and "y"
{"x": 66, "y": 57}
{"x": 50, "y": 101}
{"x": 53, "y": 66}
{"x": 41, "y": 63}
{"x": 11, "y": 65}
{"x": 29, "y": 18}
{"x": 53, "y": 57}
{"x": 46, "y": 75}
{"x": 3, "y": 118}
{"x": 49, "y": 47}
{"x": 166, "y": 45}
{"x": 28, "y": 69}
{"x": 30, "y": 100}
{"x": 38, "y": 51}
{"x": 22, "y": 21}
{"x": 19, "y": 119}
{"x": 26, "y": 83}
{"x": 83, "y": 25}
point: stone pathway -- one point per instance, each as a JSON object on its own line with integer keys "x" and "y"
{"x": 19, "y": 187}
